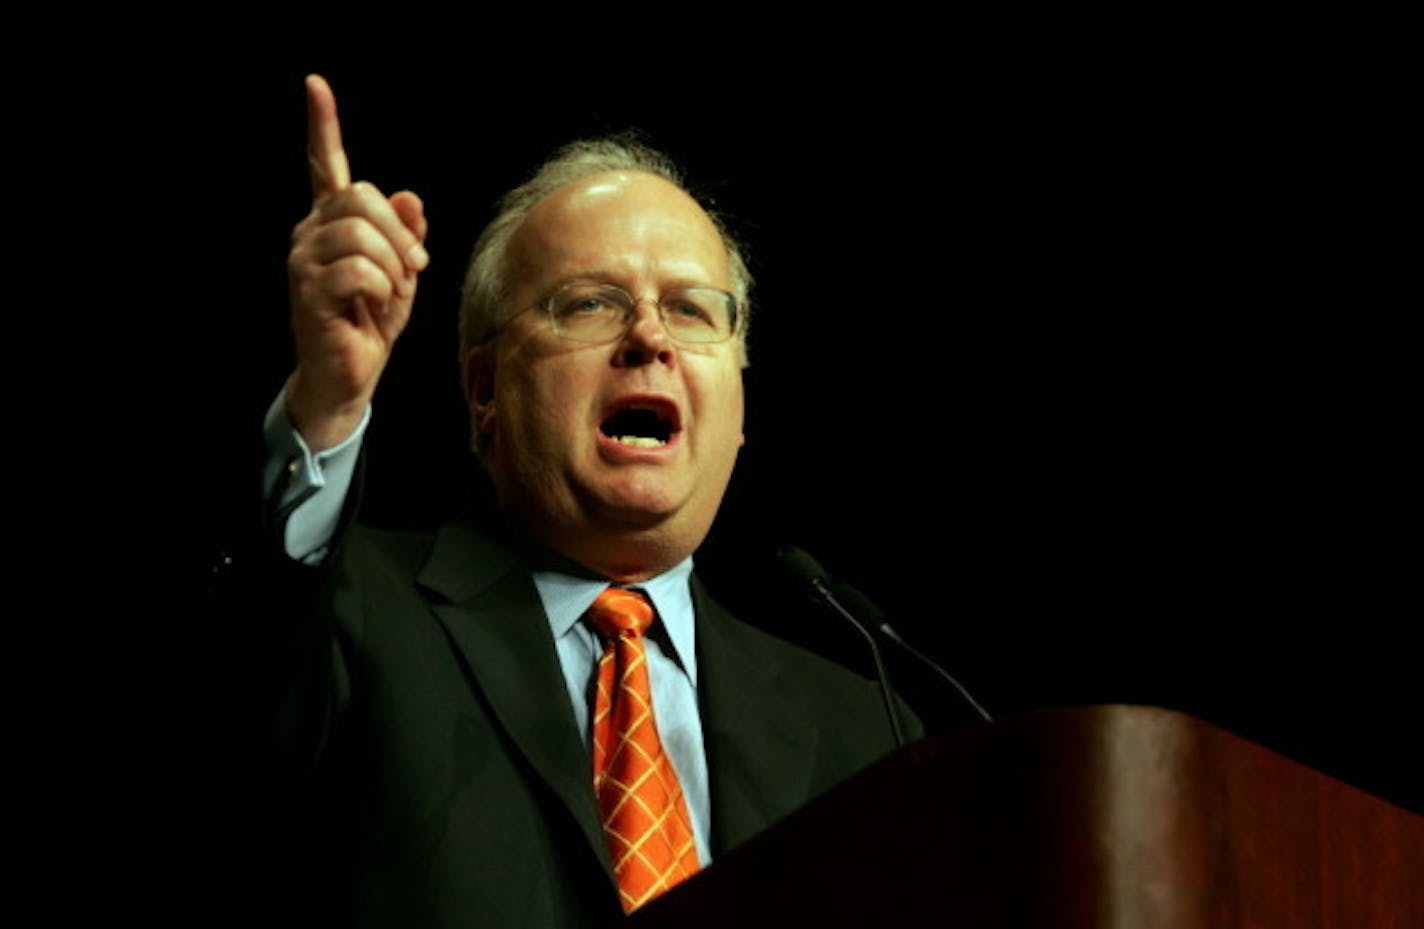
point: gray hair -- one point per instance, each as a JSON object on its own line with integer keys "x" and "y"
{"x": 486, "y": 289}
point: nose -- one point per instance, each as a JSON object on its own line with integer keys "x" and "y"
{"x": 647, "y": 340}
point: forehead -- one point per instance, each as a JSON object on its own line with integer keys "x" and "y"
{"x": 627, "y": 226}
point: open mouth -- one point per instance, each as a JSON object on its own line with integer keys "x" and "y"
{"x": 642, "y": 423}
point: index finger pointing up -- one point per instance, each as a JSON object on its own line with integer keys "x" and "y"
{"x": 325, "y": 156}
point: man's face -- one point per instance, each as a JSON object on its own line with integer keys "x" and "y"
{"x": 558, "y": 413}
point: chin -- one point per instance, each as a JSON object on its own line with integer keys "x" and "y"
{"x": 634, "y": 532}
{"x": 642, "y": 508}
{"x": 649, "y": 502}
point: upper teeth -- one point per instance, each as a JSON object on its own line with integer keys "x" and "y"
{"x": 639, "y": 441}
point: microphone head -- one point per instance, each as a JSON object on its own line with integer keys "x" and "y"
{"x": 858, "y": 603}
{"x": 800, "y": 565}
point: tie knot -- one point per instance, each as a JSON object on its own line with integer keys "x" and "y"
{"x": 618, "y": 611}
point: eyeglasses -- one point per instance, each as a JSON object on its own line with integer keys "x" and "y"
{"x": 588, "y": 312}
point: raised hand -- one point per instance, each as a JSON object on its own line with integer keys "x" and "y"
{"x": 353, "y": 268}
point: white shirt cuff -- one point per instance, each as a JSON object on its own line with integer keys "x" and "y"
{"x": 307, "y": 490}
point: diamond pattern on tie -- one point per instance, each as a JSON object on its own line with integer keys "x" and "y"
{"x": 645, "y": 818}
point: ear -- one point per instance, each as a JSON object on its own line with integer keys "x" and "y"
{"x": 479, "y": 387}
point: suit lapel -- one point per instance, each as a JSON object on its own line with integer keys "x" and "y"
{"x": 492, "y": 613}
{"x": 495, "y": 619}
{"x": 758, "y": 771}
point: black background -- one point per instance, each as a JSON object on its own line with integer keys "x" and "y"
{"x": 1085, "y": 366}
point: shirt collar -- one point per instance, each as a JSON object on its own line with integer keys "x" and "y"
{"x": 566, "y": 598}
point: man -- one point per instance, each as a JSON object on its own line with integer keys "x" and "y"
{"x": 448, "y": 698}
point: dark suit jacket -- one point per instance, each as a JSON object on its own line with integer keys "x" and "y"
{"x": 421, "y": 700}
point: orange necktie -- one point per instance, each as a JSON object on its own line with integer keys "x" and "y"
{"x": 645, "y": 819}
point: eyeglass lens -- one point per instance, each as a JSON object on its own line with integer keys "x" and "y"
{"x": 602, "y": 312}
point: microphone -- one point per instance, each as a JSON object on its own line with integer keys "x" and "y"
{"x": 862, "y": 605}
{"x": 846, "y": 600}
{"x": 806, "y": 569}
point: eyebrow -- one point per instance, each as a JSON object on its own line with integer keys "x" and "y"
{"x": 614, "y": 279}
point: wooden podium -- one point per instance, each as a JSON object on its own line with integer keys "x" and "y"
{"x": 1112, "y": 816}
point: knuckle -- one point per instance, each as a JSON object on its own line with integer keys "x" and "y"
{"x": 299, "y": 260}
{"x": 358, "y": 274}
{"x": 345, "y": 231}
{"x": 340, "y": 236}
{"x": 306, "y": 296}
{"x": 367, "y": 192}
{"x": 304, "y": 227}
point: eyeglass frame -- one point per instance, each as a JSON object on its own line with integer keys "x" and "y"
{"x": 734, "y": 306}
